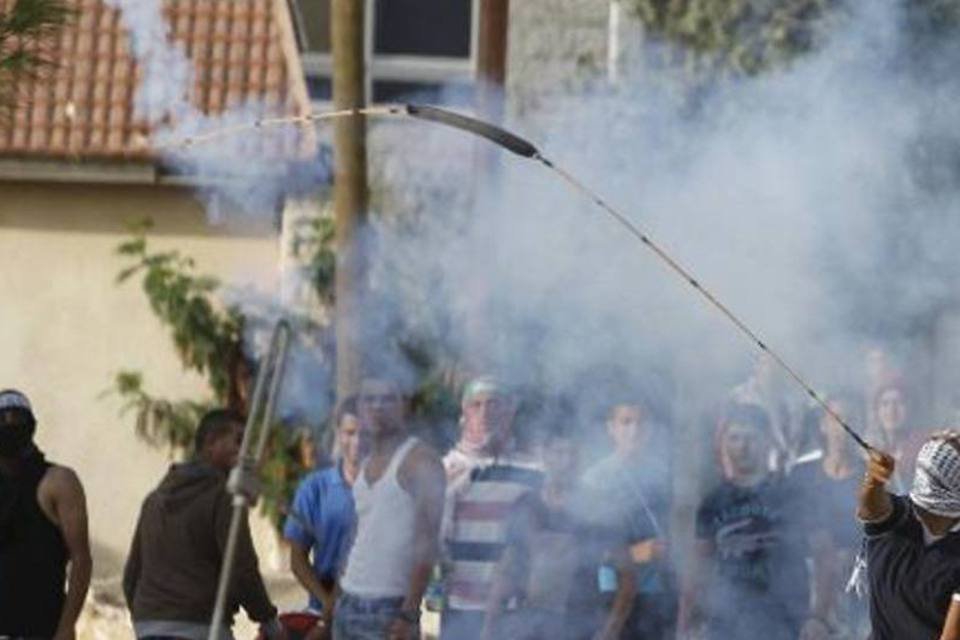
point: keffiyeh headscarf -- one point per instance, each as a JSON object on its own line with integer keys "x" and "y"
{"x": 936, "y": 485}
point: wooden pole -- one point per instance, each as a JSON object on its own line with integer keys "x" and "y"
{"x": 350, "y": 193}
{"x": 492, "y": 57}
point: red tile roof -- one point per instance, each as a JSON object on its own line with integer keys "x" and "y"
{"x": 83, "y": 106}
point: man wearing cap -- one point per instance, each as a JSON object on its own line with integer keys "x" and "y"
{"x": 43, "y": 529}
{"x": 913, "y": 544}
{"x": 485, "y": 477}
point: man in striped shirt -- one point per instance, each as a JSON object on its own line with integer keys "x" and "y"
{"x": 485, "y": 477}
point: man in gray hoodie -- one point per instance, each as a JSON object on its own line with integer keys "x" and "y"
{"x": 170, "y": 580}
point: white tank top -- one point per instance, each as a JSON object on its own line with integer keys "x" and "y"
{"x": 381, "y": 559}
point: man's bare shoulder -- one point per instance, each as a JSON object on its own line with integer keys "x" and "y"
{"x": 61, "y": 481}
{"x": 422, "y": 463}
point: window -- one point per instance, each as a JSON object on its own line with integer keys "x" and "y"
{"x": 415, "y": 48}
{"x": 423, "y": 28}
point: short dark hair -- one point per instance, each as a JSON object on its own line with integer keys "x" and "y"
{"x": 347, "y": 407}
{"x": 214, "y": 424}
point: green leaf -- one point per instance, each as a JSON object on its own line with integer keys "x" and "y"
{"x": 125, "y": 274}
{"x": 134, "y": 247}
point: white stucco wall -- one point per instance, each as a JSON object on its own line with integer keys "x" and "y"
{"x": 66, "y": 328}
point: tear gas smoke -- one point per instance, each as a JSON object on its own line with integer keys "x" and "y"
{"x": 817, "y": 201}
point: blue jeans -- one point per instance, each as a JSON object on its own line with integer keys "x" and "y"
{"x": 456, "y": 624}
{"x": 359, "y": 618}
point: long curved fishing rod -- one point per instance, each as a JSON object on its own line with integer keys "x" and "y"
{"x": 521, "y": 147}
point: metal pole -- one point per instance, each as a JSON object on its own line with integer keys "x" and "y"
{"x": 243, "y": 479}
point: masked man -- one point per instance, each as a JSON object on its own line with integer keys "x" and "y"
{"x": 913, "y": 544}
{"x": 43, "y": 530}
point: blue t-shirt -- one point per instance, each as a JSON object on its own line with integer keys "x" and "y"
{"x": 322, "y": 521}
{"x": 638, "y": 493}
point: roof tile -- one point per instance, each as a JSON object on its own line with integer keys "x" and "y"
{"x": 83, "y": 106}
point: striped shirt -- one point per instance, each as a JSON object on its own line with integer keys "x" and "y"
{"x": 478, "y": 506}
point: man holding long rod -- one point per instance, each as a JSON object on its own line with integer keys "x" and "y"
{"x": 913, "y": 544}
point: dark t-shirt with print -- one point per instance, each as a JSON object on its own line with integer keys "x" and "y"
{"x": 910, "y": 583}
{"x": 759, "y": 586}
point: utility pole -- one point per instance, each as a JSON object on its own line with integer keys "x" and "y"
{"x": 492, "y": 57}
{"x": 350, "y": 193}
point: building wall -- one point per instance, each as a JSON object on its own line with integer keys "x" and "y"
{"x": 66, "y": 328}
{"x": 553, "y": 46}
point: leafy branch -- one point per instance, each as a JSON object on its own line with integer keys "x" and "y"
{"x": 208, "y": 339}
{"x": 159, "y": 422}
{"x": 316, "y": 243}
{"x": 738, "y": 36}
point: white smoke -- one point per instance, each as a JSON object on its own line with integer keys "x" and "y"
{"x": 781, "y": 193}
{"x": 242, "y": 175}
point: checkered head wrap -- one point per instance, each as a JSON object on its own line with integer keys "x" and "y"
{"x": 936, "y": 485}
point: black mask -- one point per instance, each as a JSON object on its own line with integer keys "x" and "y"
{"x": 16, "y": 431}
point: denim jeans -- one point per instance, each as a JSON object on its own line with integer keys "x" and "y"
{"x": 456, "y": 624}
{"x": 359, "y": 618}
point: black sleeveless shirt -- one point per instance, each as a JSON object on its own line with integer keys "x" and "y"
{"x": 33, "y": 557}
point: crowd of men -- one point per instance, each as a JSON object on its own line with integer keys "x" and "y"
{"x": 802, "y": 536}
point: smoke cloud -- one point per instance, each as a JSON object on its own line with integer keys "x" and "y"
{"x": 819, "y": 202}
{"x": 814, "y": 201}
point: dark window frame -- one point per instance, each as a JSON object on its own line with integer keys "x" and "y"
{"x": 384, "y": 67}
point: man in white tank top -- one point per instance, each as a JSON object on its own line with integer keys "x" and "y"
{"x": 399, "y": 501}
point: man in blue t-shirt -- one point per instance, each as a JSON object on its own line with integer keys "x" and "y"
{"x": 321, "y": 519}
{"x": 634, "y": 484}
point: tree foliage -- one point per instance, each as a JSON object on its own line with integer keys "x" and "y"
{"x": 208, "y": 339}
{"x": 159, "y": 422}
{"x": 735, "y": 36}
{"x": 721, "y": 37}
{"x": 316, "y": 244}
{"x": 26, "y": 29}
